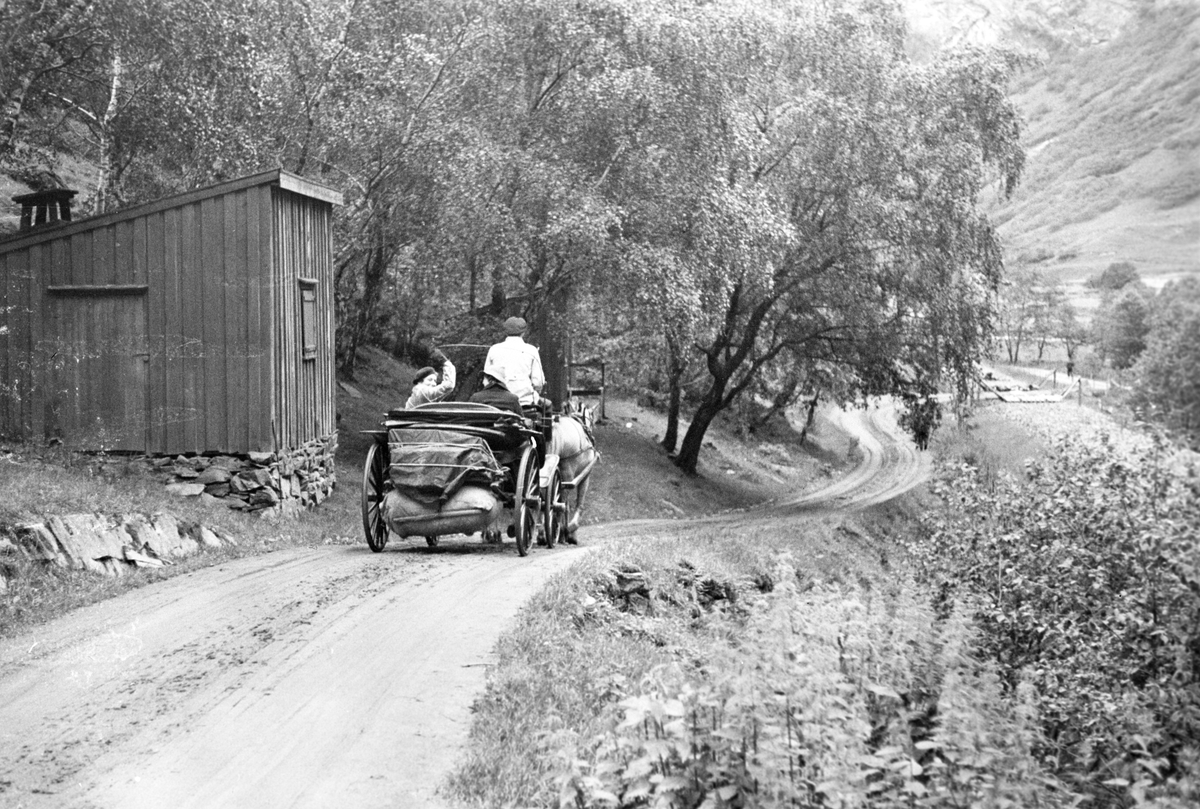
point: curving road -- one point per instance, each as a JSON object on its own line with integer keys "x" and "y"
{"x": 310, "y": 677}
{"x": 890, "y": 463}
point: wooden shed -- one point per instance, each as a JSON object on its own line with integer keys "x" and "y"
{"x": 196, "y": 324}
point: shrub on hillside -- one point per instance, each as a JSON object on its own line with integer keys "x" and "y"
{"x": 1166, "y": 377}
{"x": 1085, "y": 581}
{"x": 1180, "y": 189}
{"x": 1115, "y": 276}
{"x": 1121, "y": 324}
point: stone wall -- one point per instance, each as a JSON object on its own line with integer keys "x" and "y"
{"x": 269, "y": 482}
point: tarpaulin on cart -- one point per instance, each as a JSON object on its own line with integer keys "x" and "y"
{"x": 431, "y": 464}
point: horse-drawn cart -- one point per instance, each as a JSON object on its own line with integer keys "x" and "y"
{"x": 457, "y": 468}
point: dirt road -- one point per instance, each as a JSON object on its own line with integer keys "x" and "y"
{"x": 890, "y": 463}
{"x": 312, "y": 677}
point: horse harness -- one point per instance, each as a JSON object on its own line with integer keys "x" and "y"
{"x": 587, "y": 431}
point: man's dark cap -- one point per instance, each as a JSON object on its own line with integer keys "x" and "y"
{"x": 421, "y": 374}
{"x": 515, "y": 326}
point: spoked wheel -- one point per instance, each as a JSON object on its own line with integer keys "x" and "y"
{"x": 554, "y": 506}
{"x": 527, "y": 504}
{"x": 373, "y": 490}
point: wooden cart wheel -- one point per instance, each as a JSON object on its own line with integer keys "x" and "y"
{"x": 527, "y": 501}
{"x": 553, "y": 506}
{"x": 373, "y": 490}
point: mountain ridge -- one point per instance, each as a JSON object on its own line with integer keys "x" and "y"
{"x": 1113, "y": 155}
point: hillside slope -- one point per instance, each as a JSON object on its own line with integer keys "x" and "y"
{"x": 1113, "y": 141}
{"x": 1033, "y": 24}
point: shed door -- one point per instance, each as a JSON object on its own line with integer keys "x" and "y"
{"x": 97, "y": 379}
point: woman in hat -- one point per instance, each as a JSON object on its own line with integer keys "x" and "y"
{"x": 426, "y": 387}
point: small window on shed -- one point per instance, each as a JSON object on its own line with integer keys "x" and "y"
{"x": 308, "y": 317}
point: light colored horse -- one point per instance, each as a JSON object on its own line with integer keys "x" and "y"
{"x": 572, "y": 445}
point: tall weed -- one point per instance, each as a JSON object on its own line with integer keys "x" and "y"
{"x": 834, "y": 697}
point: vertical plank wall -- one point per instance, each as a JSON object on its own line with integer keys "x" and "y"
{"x": 75, "y": 362}
{"x": 207, "y": 373}
{"x": 16, "y": 340}
{"x": 202, "y": 321}
{"x": 215, "y": 320}
{"x": 302, "y": 389}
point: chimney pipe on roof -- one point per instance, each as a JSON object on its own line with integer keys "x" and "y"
{"x": 45, "y": 208}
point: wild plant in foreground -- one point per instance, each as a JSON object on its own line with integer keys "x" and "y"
{"x": 829, "y": 697}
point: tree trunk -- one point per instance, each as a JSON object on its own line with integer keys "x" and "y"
{"x": 675, "y": 369}
{"x": 554, "y": 330}
{"x": 724, "y": 357}
{"x": 372, "y": 289}
{"x": 473, "y": 275}
{"x": 671, "y": 438}
{"x": 808, "y": 420}
{"x": 10, "y": 113}
{"x": 779, "y": 403}
{"x": 689, "y": 451}
{"x": 105, "y": 178}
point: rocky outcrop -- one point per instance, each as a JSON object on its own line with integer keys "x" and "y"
{"x": 111, "y": 544}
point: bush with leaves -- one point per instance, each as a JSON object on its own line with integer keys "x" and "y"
{"x": 1085, "y": 579}
{"x": 1116, "y": 276}
{"x": 1166, "y": 377}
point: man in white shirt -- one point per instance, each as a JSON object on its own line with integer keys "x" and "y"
{"x": 516, "y": 363}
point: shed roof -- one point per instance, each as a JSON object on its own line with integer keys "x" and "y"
{"x": 284, "y": 179}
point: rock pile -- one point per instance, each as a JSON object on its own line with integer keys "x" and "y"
{"x": 630, "y": 589}
{"x": 273, "y": 482}
{"x": 111, "y": 544}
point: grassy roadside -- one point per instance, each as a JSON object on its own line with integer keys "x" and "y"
{"x": 785, "y": 662}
